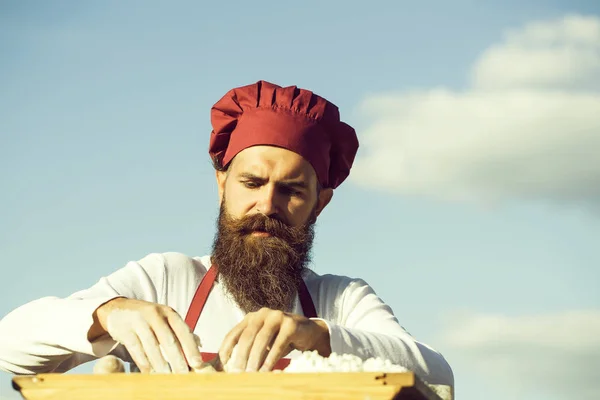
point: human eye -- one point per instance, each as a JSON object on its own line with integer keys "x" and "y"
{"x": 250, "y": 184}
{"x": 291, "y": 191}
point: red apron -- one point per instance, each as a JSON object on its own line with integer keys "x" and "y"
{"x": 199, "y": 300}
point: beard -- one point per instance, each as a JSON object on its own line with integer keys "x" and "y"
{"x": 261, "y": 271}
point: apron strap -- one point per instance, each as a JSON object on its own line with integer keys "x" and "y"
{"x": 199, "y": 300}
{"x": 201, "y": 295}
{"x": 308, "y": 306}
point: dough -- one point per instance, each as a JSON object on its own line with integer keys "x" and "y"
{"x": 109, "y": 365}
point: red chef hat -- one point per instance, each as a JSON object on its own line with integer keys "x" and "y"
{"x": 289, "y": 117}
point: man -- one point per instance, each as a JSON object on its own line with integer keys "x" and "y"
{"x": 278, "y": 153}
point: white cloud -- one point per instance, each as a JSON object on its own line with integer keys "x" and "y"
{"x": 563, "y": 54}
{"x": 528, "y": 127}
{"x": 557, "y": 355}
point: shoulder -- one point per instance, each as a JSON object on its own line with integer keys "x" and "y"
{"x": 180, "y": 261}
{"x": 174, "y": 263}
{"x": 337, "y": 296}
{"x": 329, "y": 280}
{"x": 329, "y": 285}
{"x": 176, "y": 276}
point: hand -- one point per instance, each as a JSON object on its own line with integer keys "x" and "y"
{"x": 154, "y": 334}
{"x": 265, "y": 336}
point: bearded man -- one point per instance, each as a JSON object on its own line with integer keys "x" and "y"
{"x": 279, "y": 153}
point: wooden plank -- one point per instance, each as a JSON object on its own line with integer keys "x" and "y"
{"x": 339, "y": 379}
{"x": 221, "y": 386}
{"x": 226, "y": 393}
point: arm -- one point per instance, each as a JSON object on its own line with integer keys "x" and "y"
{"x": 52, "y": 334}
{"x": 360, "y": 323}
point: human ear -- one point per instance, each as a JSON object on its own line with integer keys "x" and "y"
{"x": 221, "y": 179}
{"x": 324, "y": 198}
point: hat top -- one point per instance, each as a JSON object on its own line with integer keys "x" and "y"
{"x": 296, "y": 119}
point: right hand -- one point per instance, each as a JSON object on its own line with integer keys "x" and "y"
{"x": 155, "y": 335}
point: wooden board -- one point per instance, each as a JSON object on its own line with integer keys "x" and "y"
{"x": 222, "y": 386}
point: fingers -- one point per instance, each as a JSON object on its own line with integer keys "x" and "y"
{"x": 136, "y": 350}
{"x": 230, "y": 341}
{"x": 247, "y": 341}
{"x": 169, "y": 344}
{"x": 152, "y": 348}
{"x": 260, "y": 340}
{"x": 279, "y": 349}
{"x": 262, "y": 345}
{"x": 156, "y": 337}
{"x": 145, "y": 344}
{"x": 130, "y": 327}
{"x": 188, "y": 341}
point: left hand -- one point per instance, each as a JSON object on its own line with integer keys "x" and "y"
{"x": 265, "y": 336}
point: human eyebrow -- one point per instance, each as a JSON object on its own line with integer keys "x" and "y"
{"x": 251, "y": 177}
{"x": 290, "y": 186}
{"x": 297, "y": 185}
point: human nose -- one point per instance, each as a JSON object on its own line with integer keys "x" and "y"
{"x": 266, "y": 204}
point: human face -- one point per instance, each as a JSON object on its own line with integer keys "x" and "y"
{"x": 272, "y": 181}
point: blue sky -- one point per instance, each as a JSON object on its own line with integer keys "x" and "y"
{"x": 472, "y": 210}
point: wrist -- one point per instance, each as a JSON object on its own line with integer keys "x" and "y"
{"x": 323, "y": 343}
{"x": 99, "y": 316}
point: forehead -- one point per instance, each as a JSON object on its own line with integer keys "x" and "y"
{"x": 275, "y": 162}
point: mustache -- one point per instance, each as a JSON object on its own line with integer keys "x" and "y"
{"x": 271, "y": 225}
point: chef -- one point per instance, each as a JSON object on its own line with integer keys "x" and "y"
{"x": 278, "y": 153}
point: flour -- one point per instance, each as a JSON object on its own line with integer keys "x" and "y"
{"x": 311, "y": 362}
